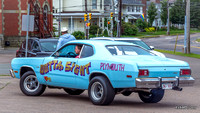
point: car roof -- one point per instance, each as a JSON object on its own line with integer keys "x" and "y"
{"x": 46, "y": 39}
{"x": 100, "y": 42}
{"x": 114, "y": 38}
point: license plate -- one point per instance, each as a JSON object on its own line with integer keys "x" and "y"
{"x": 166, "y": 86}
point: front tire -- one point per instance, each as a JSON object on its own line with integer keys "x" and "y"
{"x": 30, "y": 86}
{"x": 73, "y": 91}
{"x": 154, "y": 96}
{"x": 100, "y": 91}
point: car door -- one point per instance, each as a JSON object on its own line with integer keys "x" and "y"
{"x": 58, "y": 70}
{"x": 85, "y": 66}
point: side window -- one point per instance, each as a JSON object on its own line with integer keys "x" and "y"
{"x": 67, "y": 51}
{"x": 87, "y": 51}
{"x": 35, "y": 46}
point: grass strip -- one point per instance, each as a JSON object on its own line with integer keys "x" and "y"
{"x": 179, "y": 53}
{"x": 4, "y": 75}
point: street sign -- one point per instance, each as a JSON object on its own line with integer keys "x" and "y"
{"x": 25, "y": 21}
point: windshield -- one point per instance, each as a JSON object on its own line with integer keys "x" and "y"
{"x": 137, "y": 42}
{"x": 48, "y": 46}
{"x": 127, "y": 50}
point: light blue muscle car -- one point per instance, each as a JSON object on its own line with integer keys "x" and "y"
{"x": 104, "y": 68}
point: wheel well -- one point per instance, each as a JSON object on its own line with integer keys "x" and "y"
{"x": 24, "y": 70}
{"x": 99, "y": 74}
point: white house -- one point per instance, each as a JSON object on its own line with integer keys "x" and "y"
{"x": 72, "y": 12}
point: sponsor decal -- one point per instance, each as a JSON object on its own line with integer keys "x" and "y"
{"x": 113, "y": 67}
{"x": 47, "y": 78}
{"x": 69, "y": 67}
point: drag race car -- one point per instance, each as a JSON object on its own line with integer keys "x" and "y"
{"x": 104, "y": 68}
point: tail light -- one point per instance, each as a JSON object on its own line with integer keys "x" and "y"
{"x": 143, "y": 72}
{"x": 185, "y": 72}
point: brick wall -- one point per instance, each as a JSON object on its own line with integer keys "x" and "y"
{"x": 11, "y": 19}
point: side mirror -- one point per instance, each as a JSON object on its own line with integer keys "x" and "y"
{"x": 152, "y": 47}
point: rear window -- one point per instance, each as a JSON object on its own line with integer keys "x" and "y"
{"x": 127, "y": 50}
{"x": 137, "y": 42}
{"x": 48, "y": 46}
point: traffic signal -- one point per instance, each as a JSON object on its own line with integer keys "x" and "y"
{"x": 111, "y": 15}
{"x": 85, "y": 17}
{"x": 89, "y": 24}
{"x": 108, "y": 22}
{"x": 90, "y": 16}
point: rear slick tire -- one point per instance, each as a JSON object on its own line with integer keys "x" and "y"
{"x": 100, "y": 91}
{"x": 154, "y": 96}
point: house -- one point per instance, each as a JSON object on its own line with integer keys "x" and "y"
{"x": 72, "y": 12}
{"x": 11, "y": 13}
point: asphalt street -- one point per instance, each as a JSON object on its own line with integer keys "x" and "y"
{"x": 12, "y": 100}
{"x": 168, "y": 43}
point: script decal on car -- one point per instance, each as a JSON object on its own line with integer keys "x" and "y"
{"x": 113, "y": 67}
{"x": 69, "y": 67}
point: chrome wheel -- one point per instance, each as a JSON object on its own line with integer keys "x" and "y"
{"x": 97, "y": 91}
{"x": 31, "y": 83}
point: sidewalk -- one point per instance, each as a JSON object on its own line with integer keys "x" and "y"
{"x": 6, "y": 55}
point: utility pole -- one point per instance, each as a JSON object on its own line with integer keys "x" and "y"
{"x": 188, "y": 26}
{"x": 119, "y": 18}
{"x": 168, "y": 25}
{"x": 111, "y": 19}
{"x": 87, "y": 30}
{"x": 59, "y": 31}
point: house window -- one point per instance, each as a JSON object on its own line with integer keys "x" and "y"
{"x": 37, "y": 17}
{"x": 71, "y": 24}
{"x": 133, "y": 9}
{"x": 129, "y": 9}
{"x": 45, "y": 17}
{"x": 100, "y": 4}
{"x": 94, "y": 4}
{"x": 137, "y": 8}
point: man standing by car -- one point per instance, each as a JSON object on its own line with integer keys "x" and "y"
{"x": 65, "y": 37}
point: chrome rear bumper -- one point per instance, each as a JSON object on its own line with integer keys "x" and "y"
{"x": 157, "y": 82}
{"x": 12, "y": 73}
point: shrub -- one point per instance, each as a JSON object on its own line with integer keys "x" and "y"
{"x": 129, "y": 29}
{"x": 94, "y": 29}
{"x": 78, "y": 35}
{"x": 163, "y": 29}
{"x": 105, "y": 33}
{"x": 141, "y": 24}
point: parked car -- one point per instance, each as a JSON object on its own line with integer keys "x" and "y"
{"x": 104, "y": 68}
{"x": 136, "y": 41}
{"x": 37, "y": 47}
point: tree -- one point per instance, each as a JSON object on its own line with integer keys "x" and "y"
{"x": 164, "y": 12}
{"x": 177, "y": 12}
{"x": 194, "y": 14}
{"x": 152, "y": 13}
{"x": 141, "y": 24}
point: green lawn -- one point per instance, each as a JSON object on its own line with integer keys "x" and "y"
{"x": 198, "y": 40}
{"x": 180, "y": 53}
{"x": 4, "y": 75}
{"x": 158, "y": 33}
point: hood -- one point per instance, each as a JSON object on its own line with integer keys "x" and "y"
{"x": 146, "y": 61}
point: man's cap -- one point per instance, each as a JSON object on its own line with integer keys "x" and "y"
{"x": 64, "y": 29}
